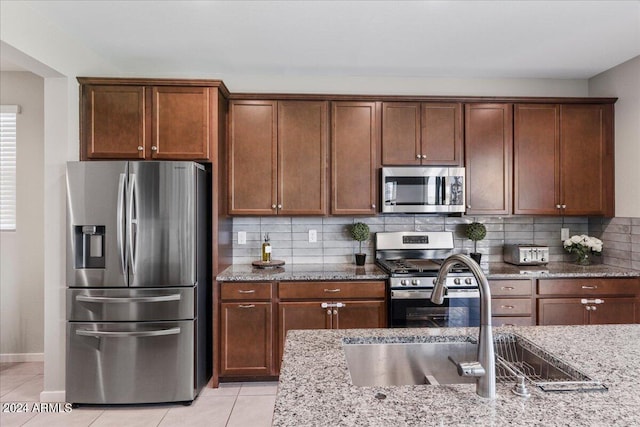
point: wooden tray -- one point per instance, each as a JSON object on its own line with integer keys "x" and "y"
{"x": 268, "y": 264}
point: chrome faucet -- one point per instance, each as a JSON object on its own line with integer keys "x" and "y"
{"x": 485, "y": 368}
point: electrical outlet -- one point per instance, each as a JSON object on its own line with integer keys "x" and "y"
{"x": 313, "y": 236}
{"x": 564, "y": 233}
{"x": 242, "y": 237}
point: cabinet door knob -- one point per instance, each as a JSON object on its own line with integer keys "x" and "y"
{"x": 140, "y": 148}
{"x": 557, "y": 206}
{"x": 564, "y": 206}
{"x": 154, "y": 148}
{"x": 424, "y": 156}
{"x": 279, "y": 206}
{"x": 273, "y": 206}
{"x": 418, "y": 156}
{"x": 468, "y": 206}
{"x": 373, "y": 206}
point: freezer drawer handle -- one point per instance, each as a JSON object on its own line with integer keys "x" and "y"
{"x": 135, "y": 334}
{"x": 164, "y": 298}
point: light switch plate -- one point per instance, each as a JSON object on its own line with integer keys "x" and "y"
{"x": 313, "y": 236}
{"x": 564, "y": 233}
{"x": 242, "y": 237}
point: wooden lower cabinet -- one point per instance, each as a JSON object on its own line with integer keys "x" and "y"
{"x": 246, "y": 338}
{"x": 512, "y": 302}
{"x": 574, "y": 311}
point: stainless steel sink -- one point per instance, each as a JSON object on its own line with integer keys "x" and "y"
{"x": 411, "y": 363}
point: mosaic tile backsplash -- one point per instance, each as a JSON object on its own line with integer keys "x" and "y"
{"x": 290, "y": 236}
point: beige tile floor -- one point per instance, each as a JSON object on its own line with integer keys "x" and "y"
{"x": 230, "y": 405}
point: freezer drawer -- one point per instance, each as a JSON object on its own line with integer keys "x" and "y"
{"x": 114, "y": 363}
{"x": 130, "y": 305}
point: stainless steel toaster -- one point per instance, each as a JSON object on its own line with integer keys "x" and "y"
{"x": 525, "y": 254}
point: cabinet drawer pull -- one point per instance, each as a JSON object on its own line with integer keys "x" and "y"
{"x": 507, "y": 288}
{"x": 250, "y": 291}
{"x": 246, "y": 306}
{"x": 508, "y": 307}
{"x": 332, "y": 291}
{"x": 592, "y": 301}
{"x": 589, "y": 287}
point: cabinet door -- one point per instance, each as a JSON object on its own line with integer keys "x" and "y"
{"x": 488, "y": 143}
{"x": 401, "y": 133}
{"x": 353, "y": 158}
{"x": 562, "y": 311}
{"x": 114, "y": 122}
{"x": 536, "y": 146}
{"x": 302, "y": 157}
{"x": 441, "y": 134}
{"x": 181, "y": 123}
{"x": 300, "y": 315}
{"x": 586, "y": 159}
{"x": 252, "y": 158}
{"x": 360, "y": 314}
{"x": 613, "y": 311}
{"x": 246, "y": 346}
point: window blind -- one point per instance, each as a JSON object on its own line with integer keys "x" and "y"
{"x": 8, "y": 119}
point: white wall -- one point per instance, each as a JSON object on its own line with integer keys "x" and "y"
{"x": 623, "y": 81}
{"x": 22, "y": 251}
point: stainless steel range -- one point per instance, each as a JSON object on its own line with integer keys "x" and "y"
{"x": 412, "y": 260}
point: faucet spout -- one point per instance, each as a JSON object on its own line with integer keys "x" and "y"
{"x": 485, "y": 384}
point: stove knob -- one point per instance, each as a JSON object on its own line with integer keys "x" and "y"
{"x": 415, "y": 282}
{"x": 403, "y": 282}
{"x": 468, "y": 281}
{"x": 456, "y": 281}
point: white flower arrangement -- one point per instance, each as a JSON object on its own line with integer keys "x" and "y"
{"x": 583, "y": 245}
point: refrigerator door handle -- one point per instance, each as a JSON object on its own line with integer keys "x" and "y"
{"x": 120, "y": 226}
{"x": 164, "y": 298}
{"x": 132, "y": 220}
{"x": 132, "y": 334}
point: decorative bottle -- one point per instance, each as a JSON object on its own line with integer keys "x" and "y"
{"x": 266, "y": 249}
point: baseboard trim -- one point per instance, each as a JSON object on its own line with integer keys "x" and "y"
{"x": 53, "y": 396}
{"x": 21, "y": 357}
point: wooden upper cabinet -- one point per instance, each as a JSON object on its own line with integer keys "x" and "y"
{"x": 354, "y": 135}
{"x": 181, "y": 123}
{"x": 278, "y": 157}
{"x": 536, "y": 161}
{"x": 421, "y": 133}
{"x": 488, "y": 144}
{"x": 563, "y": 159}
{"x": 253, "y": 158}
{"x": 141, "y": 119}
{"x": 441, "y": 134}
{"x": 302, "y": 157}
{"x": 114, "y": 122}
{"x": 586, "y": 159}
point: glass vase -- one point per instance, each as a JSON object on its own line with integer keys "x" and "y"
{"x": 583, "y": 259}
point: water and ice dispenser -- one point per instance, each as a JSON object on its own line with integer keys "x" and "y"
{"x": 89, "y": 242}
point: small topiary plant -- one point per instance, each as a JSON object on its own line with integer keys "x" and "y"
{"x": 475, "y": 232}
{"x": 359, "y": 231}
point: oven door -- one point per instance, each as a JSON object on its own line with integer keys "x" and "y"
{"x": 412, "y": 308}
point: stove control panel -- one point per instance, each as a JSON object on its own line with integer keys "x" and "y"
{"x": 463, "y": 281}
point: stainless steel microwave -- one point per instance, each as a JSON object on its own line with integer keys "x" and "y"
{"x": 423, "y": 189}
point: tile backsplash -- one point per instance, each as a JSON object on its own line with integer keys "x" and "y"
{"x": 621, "y": 238}
{"x": 289, "y": 236}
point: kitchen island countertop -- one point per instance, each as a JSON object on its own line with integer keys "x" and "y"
{"x": 315, "y": 388}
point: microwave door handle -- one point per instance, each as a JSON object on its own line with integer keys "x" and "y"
{"x": 447, "y": 190}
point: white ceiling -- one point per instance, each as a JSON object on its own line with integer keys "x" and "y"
{"x": 482, "y": 39}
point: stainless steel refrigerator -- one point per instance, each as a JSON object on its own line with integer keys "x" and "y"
{"x": 137, "y": 312}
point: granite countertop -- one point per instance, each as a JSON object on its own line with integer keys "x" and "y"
{"x": 315, "y": 388}
{"x": 247, "y": 273}
{"x": 494, "y": 270}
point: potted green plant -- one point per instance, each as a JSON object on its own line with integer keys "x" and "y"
{"x": 476, "y": 232}
{"x": 360, "y": 231}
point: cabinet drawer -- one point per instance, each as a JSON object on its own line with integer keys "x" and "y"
{"x": 246, "y": 291}
{"x": 584, "y": 287}
{"x": 503, "y": 288}
{"x": 512, "y": 306}
{"x": 330, "y": 290}
{"x": 512, "y": 321}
